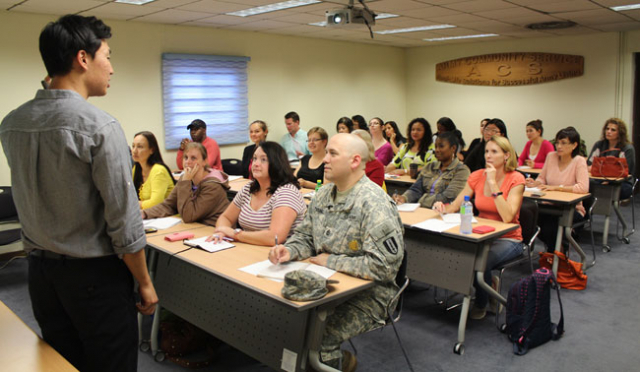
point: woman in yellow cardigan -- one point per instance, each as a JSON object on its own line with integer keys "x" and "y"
{"x": 151, "y": 177}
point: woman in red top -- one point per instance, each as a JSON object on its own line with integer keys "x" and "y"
{"x": 498, "y": 191}
{"x": 374, "y": 168}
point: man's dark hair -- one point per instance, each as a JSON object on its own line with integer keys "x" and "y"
{"x": 61, "y": 41}
{"x": 572, "y": 135}
{"x": 280, "y": 171}
{"x": 292, "y": 115}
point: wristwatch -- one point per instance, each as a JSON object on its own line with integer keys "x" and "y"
{"x": 496, "y": 194}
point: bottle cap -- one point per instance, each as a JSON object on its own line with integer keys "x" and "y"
{"x": 466, "y": 198}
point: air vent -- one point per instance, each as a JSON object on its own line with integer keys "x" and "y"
{"x": 556, "y": 25}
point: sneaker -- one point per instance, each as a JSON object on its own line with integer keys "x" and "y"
{"x": 494, "y": 305}
{"x": 477, "y": 313}
{"x": 349, "y": 361}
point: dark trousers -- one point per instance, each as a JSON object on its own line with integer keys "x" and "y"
{"x": 549, "y": 229}
{"x": 86, "y": 311}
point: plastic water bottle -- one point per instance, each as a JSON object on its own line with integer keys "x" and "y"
{"x": 466, "y": 215}
{"x": 318, "y": 185}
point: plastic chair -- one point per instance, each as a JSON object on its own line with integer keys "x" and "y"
{"x": 9, "y": 220}
{"x": 232, "y": 167}
{"x": 395, "y": 312}
{"x": 631, "y": 201}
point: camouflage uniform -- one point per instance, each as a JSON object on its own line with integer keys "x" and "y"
{"x": 446, "y": 185}
{"x": 363, "y": 234}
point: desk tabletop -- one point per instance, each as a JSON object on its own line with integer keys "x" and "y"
{"x": 22, "y": 350}
{"x": 405, "y": 178}
{"x": 422, "y": 214}
{"x": 558, "y": 197}
{"x": 227, "y": 263}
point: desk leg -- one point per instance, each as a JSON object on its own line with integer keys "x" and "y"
{"x": 577, "y": 248}
{"x": 155, "y": 328}
{"x": 558, "y": 248}
{"x": 480, "y": 267}
{"x": 316, "y": 330}
{"x": 624, "y": 237}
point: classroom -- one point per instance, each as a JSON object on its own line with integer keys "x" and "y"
{"x": 324, "y": 77}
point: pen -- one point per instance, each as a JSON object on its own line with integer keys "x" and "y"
{"x": 277, "y": 263}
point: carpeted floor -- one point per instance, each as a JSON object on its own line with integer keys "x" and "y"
{"x": 602, "y": 325}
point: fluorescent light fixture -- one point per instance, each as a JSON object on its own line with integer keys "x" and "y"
{"x": 413, "y": 29}
{"x": 272, "y": 7}
{"x": 460, "y": 37}
{"x": 378, "y": 16}
{"x": 622, "y": 8}
{"x": 134, "y": 2}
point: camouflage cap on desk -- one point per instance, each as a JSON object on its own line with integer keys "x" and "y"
{"x": 304, "y": 285}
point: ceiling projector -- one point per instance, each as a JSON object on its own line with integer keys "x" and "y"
{"x": 347, "y": 16}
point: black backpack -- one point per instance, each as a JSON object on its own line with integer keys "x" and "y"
{"x": 529, "y": 314}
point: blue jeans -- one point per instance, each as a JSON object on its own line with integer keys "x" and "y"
{"x": 502, "y": 250}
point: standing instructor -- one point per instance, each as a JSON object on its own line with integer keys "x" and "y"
{"x": 71, "y": 179}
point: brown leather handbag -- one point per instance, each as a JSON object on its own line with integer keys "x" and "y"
{"x": 570, "y": 274}
{"x": 609, "y": 166}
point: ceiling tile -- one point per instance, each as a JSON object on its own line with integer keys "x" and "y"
{"x": 427, "y": 12}
{"x": 618, "y": 26}
{"x": 59, "y": 7}
{"x": 171, "y": 16}
{"x": 389, "y": 6}
{"x": 458, "y": 19}
{"x": 479, "y": 5}
{"x": 492, "y": 26}
{"x": 300, "y": 18}
{"x": 213, "y": 7}
{"x": 264, "y": 24}
{"x": 167, "y": 4}
{"x": 223, "y": 20}
{"x": 120, "y": 11}
{"x": 565, "y": 6}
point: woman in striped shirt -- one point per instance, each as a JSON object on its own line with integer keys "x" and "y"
{"x": 269, "y": 207}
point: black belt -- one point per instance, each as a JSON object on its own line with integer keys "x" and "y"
{"x": 52, "y": 255}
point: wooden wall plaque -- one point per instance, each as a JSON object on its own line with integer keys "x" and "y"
{"x": 510, "y": 69}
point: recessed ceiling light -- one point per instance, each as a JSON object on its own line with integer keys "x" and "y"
{"x": 413, "y": 29}
{"x": 460, "y": 37}
{"x": 272, "y": 7}
{"x": 622, "y": 8}
{"x": 134, "y": 2}
{"x": 378, "y": 16}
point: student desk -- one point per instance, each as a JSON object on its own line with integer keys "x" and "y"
{"x": 531, "y": 172}
{"x": 22, "y": 350}
{"x": 449, "y": 259}
{"x": 561, "y": 204}
{"x": 608, "y": 196}
{"x": 400, "y": 183}
{"x": 245, "y": 311}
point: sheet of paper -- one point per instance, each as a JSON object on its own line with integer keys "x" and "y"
{"x": 434, "y": 224}
{"x": 275, "y": 272}
{"x": 391, "y": 176}
{"x": 532, "y": 189}
{"x": 408, "y": 207}
{"x": 323, "y": 271}
{"x": 233, "y": 178}
{"x": 309, "y": 195}
{"x": 524, "y": 167}
{"x": 209, "y": 246}
{"x": 454, "y": 218}
{"x": 162, "y": 223}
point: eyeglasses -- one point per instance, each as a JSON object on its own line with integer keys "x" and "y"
{"x": 314, "y": 140}
{"x": 491, "y": 130}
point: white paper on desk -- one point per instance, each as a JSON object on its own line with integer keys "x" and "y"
{"x": 408, "y": 207}
{"x": 277, "y": 272}
{"x": 208, "y": 246}
{"x": 454, "y": 218}
{"x": 309, "y": 195}
{"x": 233, "y": 178}
{"x": 524, "y": 167}
{"x": 434, "y": 224}
{"x": 532, "y": 189}
{"x": 391, "y": 176}
{"x": 161, "y": 223}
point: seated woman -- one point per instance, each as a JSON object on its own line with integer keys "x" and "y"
{"x": 344, "y": 125}
{"x": 373, "y": 168}
{"x": 151, "y": 177}
{"x": 393, "y": 135}
{"x": 440, "y": 180}
{"x": 615, "y": 139}
{"x": 383, "y": 150}
{"x": 311, "y": 168}
{"x": 269, "y": 207}
{"x": 536, "y": 150}
{"x": 476, "y": 141}
{"x": 359, "y": 123}
{"x": 476, "y": 159}
{"x": 498, "y": 191}
{"x": 201, "y": 193}
{"x": 566, "y": 171}
{"x": 418, "y": 149}
{"x": 445, "y": 124}
{"x": 257, "y": 133}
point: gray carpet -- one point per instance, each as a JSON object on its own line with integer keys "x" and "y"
{"x": 602, "y": 325}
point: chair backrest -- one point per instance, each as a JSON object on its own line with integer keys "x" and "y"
{"x": 528, "y": 219}
{"x": 8, "y": 210}
{"x": 232, "y": 167}
{"x": 402, "y": 271}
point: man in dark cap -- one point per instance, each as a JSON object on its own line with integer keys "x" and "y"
{"x": 198, "y": 129}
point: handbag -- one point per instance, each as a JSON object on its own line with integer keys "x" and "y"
{"x": 570, "y": 274}
{"x": 609, "y": 166}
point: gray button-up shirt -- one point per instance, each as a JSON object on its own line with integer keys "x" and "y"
{"x": 71, "y": 177}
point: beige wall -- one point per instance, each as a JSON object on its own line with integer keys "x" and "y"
{"x": 584, "y": 102}
{"x": 323, "y": 79}
{"x": 320, "y": 79}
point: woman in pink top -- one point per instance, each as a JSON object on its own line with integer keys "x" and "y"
{"x": 537, "y": 148}
{"x": 498, "y": 191}
{"x": 383, "y": 150}
{"x": 564, "y": 171}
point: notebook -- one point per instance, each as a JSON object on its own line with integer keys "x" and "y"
{"x": 208, "y": 246}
